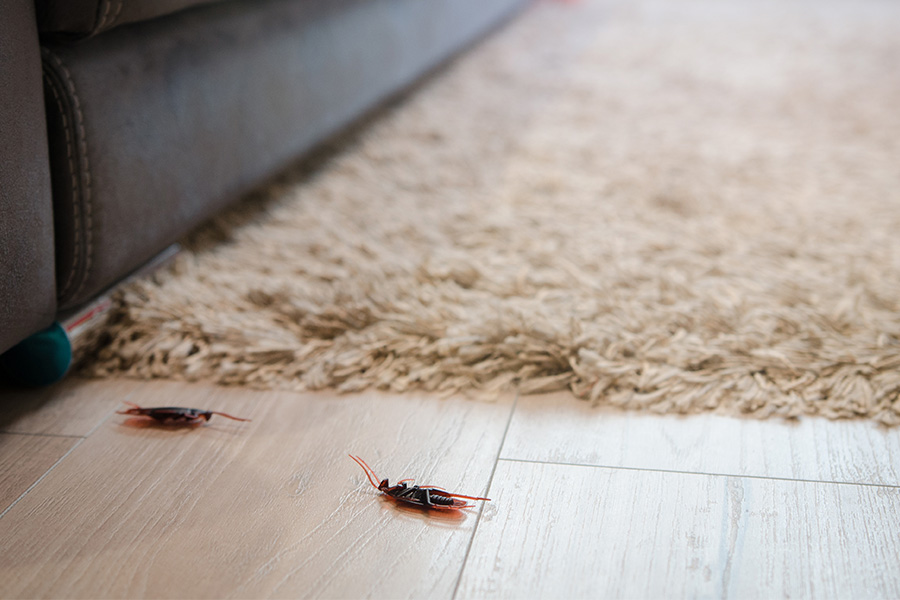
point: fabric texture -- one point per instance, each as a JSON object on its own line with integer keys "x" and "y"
{"x": 674, "y": 206}
{"x": 27, "y": 273}
{"x": 75, "y": 19}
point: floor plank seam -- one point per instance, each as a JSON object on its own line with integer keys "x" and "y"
{"x": 41, "y": 478}
{"x": 699, "y": 473}
{"x": 34, "y": 434}
{"x": 487, "y": 491}
{"x": 57, "y": 463}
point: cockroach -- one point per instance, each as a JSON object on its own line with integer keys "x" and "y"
{"x": 174, "y": 415}
{"x": 424, "y": 496}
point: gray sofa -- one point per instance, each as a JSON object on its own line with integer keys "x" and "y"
{"x": 127, "y": 123}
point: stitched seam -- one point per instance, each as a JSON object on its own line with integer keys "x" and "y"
{"x": 106, "y": 6}
{"x": 115, "y": 17}
{"x": 76, "y": 206}
{"x": 85, "y": 172}
{"x": 104, "y": 24}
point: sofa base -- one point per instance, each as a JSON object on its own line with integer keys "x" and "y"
{"x": 156, "y": 126}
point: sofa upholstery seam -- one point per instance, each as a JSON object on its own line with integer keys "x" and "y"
{"x": 84, "y": 169}
{"x": 108, "y": 18}
{"x": 70, "y": 157}
{"x": 115, "y": 17}
{"x": 107, "y": 4}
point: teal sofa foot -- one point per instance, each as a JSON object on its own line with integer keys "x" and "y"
{"x": 38, "y": 360}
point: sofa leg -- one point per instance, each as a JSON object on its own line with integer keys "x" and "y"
{"x": 38, "y": 360}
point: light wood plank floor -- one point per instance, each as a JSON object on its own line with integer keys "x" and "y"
{"x": 585, "y": 502}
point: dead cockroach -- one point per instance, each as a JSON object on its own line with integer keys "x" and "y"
{"x": 174, "y": 415}
{"x": 424, "y": 496}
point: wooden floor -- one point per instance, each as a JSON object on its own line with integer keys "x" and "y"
{"x": 585, "y": 502}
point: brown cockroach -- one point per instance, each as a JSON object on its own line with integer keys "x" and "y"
{"x": 423, "y": 496}
{"x": 175, "y": 415}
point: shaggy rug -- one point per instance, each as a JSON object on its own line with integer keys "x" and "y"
{"x": 675, "y": 205}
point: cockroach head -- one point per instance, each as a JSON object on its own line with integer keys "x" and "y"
{"x": 384, "y": 484}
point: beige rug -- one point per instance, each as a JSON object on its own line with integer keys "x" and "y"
{"x": 677, "y": 206}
